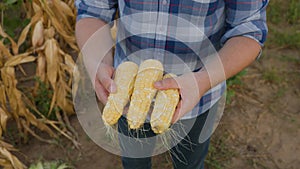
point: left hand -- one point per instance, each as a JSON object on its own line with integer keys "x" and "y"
{"x": 189, "y": 89}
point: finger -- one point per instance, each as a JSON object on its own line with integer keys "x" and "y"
{"x": 101, "y": 93}
{"x": 108, "y": 84}
{"x": 105, "y": 74}
{"x": 177, "y": 113}
{"x": 169, "y": 83}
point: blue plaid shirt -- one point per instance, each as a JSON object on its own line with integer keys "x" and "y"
{"x": 179, "y": 33}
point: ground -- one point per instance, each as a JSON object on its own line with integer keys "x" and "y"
{"x": 260, "y": 128}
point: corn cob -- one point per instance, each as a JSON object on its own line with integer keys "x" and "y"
{"x": 164, "y": 108}
{"x": 149, "y": 72}
{"x": 124, "y": 78}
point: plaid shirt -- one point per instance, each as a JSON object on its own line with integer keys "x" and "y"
{"x": 179, "y": 33}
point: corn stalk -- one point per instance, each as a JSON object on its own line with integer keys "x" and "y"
{"x": 51, "y": 35}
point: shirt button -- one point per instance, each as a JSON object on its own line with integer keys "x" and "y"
{"x": 164, "y": 2}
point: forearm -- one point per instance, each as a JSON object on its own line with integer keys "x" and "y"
{"x": 236, "y": 54}
{"x": 85, "y": 28}
{"x": 88, "y": 27}
{"x": 94, "y": 39}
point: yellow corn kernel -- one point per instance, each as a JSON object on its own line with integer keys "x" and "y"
{"x": 149, "y": 72}
{"x": 124, "y": 78}
{"x": 164, "y": 108}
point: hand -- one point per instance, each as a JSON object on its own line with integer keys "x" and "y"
{"x": 104, "y": 83}
{"x": 189, "y": 89}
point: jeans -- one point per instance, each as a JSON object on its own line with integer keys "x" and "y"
{"x": 187, "y": 154}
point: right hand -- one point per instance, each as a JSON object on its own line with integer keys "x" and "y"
{"x": 104, "y": 83}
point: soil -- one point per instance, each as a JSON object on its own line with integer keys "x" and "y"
{"x": 263, "y": 123}
{"x": 260, "y": 128}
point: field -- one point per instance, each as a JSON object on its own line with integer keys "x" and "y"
{"x": 260, "y": 127}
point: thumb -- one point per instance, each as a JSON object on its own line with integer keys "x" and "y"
{"x": 168, "y": 83}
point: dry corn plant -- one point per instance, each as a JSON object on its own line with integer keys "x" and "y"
{"x": 51, "y": 33}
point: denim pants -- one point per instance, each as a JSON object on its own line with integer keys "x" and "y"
{"x": 187, "y": 154}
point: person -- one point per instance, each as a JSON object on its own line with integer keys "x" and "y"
{"x": 236, "y": 29}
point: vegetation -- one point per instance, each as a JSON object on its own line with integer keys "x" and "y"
{"x": 50, "y": 165}
{"x": 233, "y": 83}
{"x": 284, "y": 24}
{"x": 44, "y": 39}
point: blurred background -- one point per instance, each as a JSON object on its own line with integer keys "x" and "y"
{"x": 260, "y": 127}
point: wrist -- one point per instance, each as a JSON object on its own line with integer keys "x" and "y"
{"x": 203, "y": 81}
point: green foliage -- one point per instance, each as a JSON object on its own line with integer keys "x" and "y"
{"x": 284, "y": 11}
{"x": 232, "y": 83}
{"x": 271, "y": 76}
{"x": 280, "y": 92}
{"x": 50, "y": 165}
{"x": 230, "y": 93}
{"x": 287, "y": 15}
{"x": 289, "y": 58}
{"x": 289, "y": 39}
{"x": 11, "y": 17}
{"x": 294, "y": 12}
{"x": 236, "y": 80}
{"x": 274, "y": 12}
{"x": 43, "y": 99}
{"x": 10, "y": 2}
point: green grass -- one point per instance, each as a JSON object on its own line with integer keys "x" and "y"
{"x": 286, "y": 39}
{"x": 230, "y": 93}
{"x": 284, "y": 24}
{"x": 13, "y": 20}
{"x": 293, "y": 119}
{"x": 13, "y": 16}
{"x": 271, "y": 76}
{"x": 237, "y": 79}
{"x": 280, "y": 92}
{"x": 274, "y": 12}
{"x": 232, "y": 84}
{"x": 288, "y": 58}
{"x": 218, "y": 154}
{"x": 288, "y": 11}
{"x": 50, "y": 165}
{"x": 294, "y": 12}
{"x": 43, "y": 98}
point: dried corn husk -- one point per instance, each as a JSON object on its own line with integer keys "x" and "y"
{"x": 37, "y": 38}
{"x": 51, "y": 29}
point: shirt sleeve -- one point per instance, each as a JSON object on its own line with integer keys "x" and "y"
{"x": 101, "y": 9}
{"x": 246, "y": 18}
